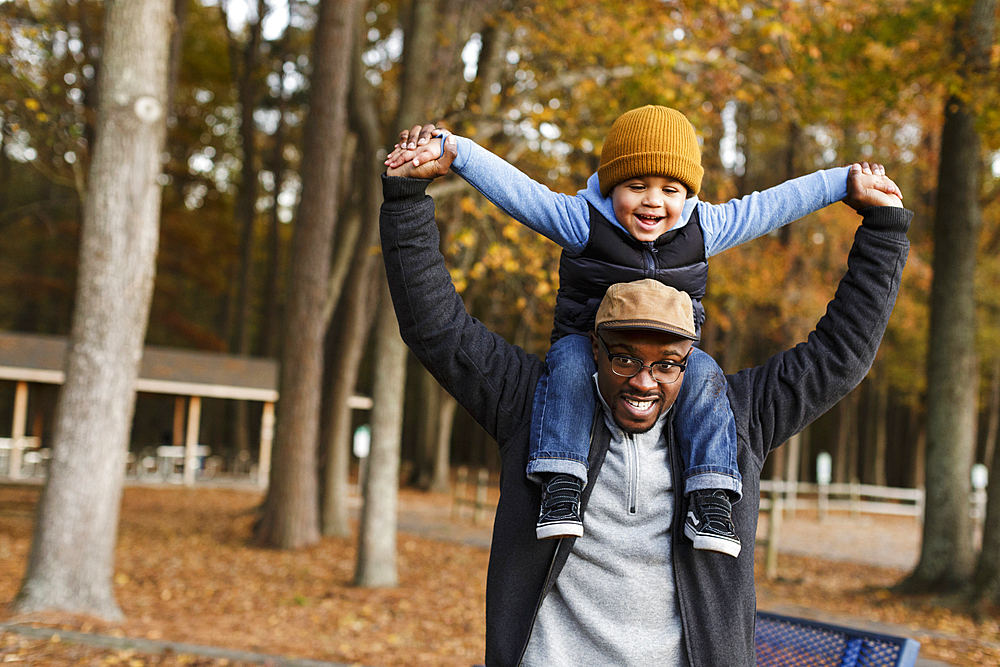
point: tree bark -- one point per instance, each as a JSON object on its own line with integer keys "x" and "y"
{"x": 72, "y": 556}
{"x": 429, "y": 408}
{"x": 176, "y": 42}
{"x": 356, "y": 325}
{"x": 986, "y": 581}
{"x": 243, "y": 62}
{"x": 276, "y": 165}
{"x": 359, "y": 291}
{"x": 441, "y": 481}
{"x": 290, "y": 514}
{"x": 376, "y": 566}
{"x": 947, "y": 556}
{"x": 880, "y": 419}
{"x": 993, "y": 420}
{"x": 390, "y": 351}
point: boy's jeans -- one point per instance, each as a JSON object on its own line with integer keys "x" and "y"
{"x": 565, "y": 401}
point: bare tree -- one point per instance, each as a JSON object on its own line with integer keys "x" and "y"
{"x": 72, "y": 555}
{"x": 290, "y": 514}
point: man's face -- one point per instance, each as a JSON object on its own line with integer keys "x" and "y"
{"x": 648, "y": 206}
{"x": 637, "y": 402}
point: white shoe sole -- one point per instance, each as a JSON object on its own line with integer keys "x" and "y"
{"x": 709, "y": 543}
{"x": 552, "y": 531}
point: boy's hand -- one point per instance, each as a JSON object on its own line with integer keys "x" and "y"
{"x": 433, "y": 167}
{"x": 867, "y": 185}
{"x": 410, "y": 142}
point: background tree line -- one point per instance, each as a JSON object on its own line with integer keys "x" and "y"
{"x": 278, "y": 113}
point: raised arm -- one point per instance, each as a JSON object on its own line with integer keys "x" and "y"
{"x": 774, "y": 401}
{"x": 741, "y": 220}
{"x": 559, "y": 217}
{"x": 494, "y": 380}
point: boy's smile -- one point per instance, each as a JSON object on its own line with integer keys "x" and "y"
{"x": 648, "y": 206}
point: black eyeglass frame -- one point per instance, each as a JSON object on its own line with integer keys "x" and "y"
{"x": 682, "y": 365}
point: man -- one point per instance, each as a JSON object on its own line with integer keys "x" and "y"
{"x": 632, "y": 591}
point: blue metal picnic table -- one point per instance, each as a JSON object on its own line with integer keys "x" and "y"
{"x": 783, "y": 641}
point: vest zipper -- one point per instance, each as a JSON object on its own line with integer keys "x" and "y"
{"x": 650, "y": 250}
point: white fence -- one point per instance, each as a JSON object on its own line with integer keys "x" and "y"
{"x": 853, "y": 498}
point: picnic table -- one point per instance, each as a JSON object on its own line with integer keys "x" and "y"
{"x": 785, "y": 641}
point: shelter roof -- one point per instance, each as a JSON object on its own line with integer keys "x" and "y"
{"x": 164, "y": 370}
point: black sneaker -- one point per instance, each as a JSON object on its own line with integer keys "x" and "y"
{"x": 709, "y": 523}
{"x": 560, "y": 515}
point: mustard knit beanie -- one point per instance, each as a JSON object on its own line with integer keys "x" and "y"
{"x": 651, "y": 141}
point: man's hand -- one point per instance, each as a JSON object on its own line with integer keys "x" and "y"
{"x": 418, "y": 146}
{"x": 432, "y": 165}
{"x": 411, "y": 140}
{"x": 867, "y": 185}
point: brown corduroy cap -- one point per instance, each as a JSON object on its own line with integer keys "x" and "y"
{"x": 651, "y": 141}
{"x": 647, "y": 304}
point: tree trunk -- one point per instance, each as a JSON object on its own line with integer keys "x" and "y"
{"x": 947, "y": 552}
{"x": 290, "y": 514}
{"x": 946, "y": 556}
{"x": 986, "y": 582}
{"x": 276, "y": 165}
{"x": 993, "y": 421}
{"x": 441, "y": 481}
{"x": 176, "y": 42}
{"x": 243, "y": 63}
{"x": 72, "y": 556}
{"x": 356, "y": 324}
{"x": 390, "y": 351}
{"x": 359, "y": 291}
{"x": 845, "y": 420}
{"x": 376, "y": 566}
{"x": 429, "y": 408}
{"x": 880, "y": 419}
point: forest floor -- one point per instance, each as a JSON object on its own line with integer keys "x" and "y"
{"x": 185, "y": 580}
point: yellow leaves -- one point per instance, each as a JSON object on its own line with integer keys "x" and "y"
{"x": 880, "y": 54}
{"x": 32, "y": 104}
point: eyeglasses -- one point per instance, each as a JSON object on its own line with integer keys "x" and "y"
{"x": 664, "y": 372}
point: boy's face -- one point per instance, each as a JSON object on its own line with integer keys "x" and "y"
{"x": 648, "y": 206}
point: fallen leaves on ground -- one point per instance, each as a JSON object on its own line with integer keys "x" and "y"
{"x": 184, "y": 573}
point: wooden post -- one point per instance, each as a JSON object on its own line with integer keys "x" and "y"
{"x": 17, "y": 433}
{"x": 177, "y": 439}
{"x": 191, "y": 442}
{"x": 266, "y": 439}
{"x": 823, "y": 501}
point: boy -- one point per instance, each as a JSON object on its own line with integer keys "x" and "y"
{"x": 638, "y": 217}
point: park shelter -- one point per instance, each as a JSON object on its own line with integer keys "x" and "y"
{"x": 189, "y": 375}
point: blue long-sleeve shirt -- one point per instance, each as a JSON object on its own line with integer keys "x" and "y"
{"x": 565, "y": 219}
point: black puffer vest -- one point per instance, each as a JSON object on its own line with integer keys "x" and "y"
{"x": 676, "y": 258}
